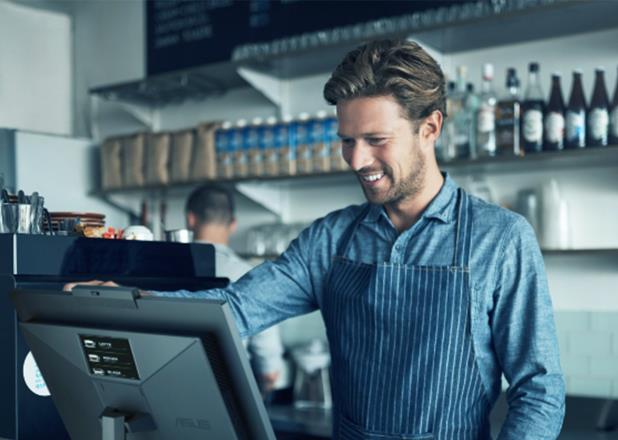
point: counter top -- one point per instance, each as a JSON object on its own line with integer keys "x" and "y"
{"x": 314, "y": 422}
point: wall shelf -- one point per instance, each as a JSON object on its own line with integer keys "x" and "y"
{"x": 591, "y": 251}
{"x": 299, "y": 180}
{"x": 582, "y": 158}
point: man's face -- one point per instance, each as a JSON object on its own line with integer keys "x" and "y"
{"x": 380, "y": 145}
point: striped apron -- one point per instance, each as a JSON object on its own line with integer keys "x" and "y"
{"x": 403, "y": 362}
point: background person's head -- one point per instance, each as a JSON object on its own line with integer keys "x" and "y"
{"x": 210, "y": 213}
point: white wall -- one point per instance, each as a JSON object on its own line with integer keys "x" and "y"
{"x": 35, "y": 69}
{"x": 109, "y": 38}
{"x": 564, "y": 54}
{"x": 58, "y": 168}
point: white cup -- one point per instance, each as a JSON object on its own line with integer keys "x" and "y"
{"x": 138, "y": 232}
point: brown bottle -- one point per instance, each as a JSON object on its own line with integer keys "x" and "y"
{"x": 575, "y": 136}
{"x": 553, "y": 130}
{"x": 508, "y": 117}
{"x": 613, "y": 118}
{"x": 598, "y": 113}
{"x": 532, "y": 110}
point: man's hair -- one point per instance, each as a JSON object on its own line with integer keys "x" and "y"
{"x": 211, "y": 204}
{"x": 397, "y": 68}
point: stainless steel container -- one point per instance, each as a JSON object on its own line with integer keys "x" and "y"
{"x": 179, "y": 235}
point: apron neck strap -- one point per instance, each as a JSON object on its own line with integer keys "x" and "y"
{"x": 346, "y": 237}
{"x": 463, "y": 233}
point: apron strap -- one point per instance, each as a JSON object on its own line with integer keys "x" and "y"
{"x": 463, "y": 234}
{"x": 346, "y": 237}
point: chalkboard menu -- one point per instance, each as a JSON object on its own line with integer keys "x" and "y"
{"x": 187, "y": 33}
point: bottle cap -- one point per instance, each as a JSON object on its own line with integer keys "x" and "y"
{"x": 321, "y": 114}
{"x": 511, "y": 78}
{"x": 470, "y": 88}
{"x": 226, "y": 125}
{"x": 257, "y": 121}
{"x": 271, "y": 120}
{"x": 241, "y": 123}
{"x": 303, "y": 116}
{"x": 488, "y": 71}
{"x": 512, "y": 81}
{"x": 533, "y": 67}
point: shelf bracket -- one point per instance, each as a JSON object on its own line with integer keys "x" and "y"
{"x": 147, "y": 116}
{"x": 270, "y": 197}
{"x": 131, "y": 213}
{"x": 268, "y": 85}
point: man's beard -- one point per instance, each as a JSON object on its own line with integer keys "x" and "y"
{"x": 405, "y": 189}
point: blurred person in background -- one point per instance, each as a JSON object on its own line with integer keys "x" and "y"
{"x": 210, "y": 215}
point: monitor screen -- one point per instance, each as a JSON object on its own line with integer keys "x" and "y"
{"x": 120, "y": 365}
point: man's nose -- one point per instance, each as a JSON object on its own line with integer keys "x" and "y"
{"x": 359, "y": 157}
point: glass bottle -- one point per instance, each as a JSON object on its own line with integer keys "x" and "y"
{"x": 508, "y": 114}
{"x": 486, "y": 115}
{"x": 533, "y": 108}
{"x": 554, "y": 117}
{"x": 613, "y": 119}
{"x": 444, "y": 151}
{"x": 598, "y": 113}
{"x": 575, "y": 133}
{"x": 471, "y": 106}
{"x": 461, "y": 138}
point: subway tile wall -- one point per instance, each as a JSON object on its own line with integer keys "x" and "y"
{"x": 589, "y": 352}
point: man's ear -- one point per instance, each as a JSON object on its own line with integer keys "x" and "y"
{"x": 191, "y": 220}
{"x": 430, "y": 128}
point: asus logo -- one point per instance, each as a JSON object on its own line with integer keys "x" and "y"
{"x": 182, "y": 422}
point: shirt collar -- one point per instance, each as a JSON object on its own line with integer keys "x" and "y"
{"x": 442, "y": 207}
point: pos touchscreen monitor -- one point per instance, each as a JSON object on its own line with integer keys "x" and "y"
{"x": 120, "y": 366}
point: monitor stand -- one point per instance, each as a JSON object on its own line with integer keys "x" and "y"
{"x": 115, "y": 424}
{"x": 112, "y": 424}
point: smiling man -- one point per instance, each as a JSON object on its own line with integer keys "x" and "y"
{"x": 429, "y": 295}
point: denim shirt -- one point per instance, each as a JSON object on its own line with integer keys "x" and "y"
{"x": 512, "y": 318}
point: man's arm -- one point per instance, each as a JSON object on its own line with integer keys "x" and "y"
{"x": 275, "y": 290}
{"x": 525, "y": 340}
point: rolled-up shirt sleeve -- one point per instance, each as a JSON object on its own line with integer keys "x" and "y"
{"x": 525, "y": 340}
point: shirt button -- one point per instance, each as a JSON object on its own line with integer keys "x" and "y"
{"x": 398, "y": 248}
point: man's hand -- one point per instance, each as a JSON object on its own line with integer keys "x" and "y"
{"x": 69, "y": 286}
{"x": 268, "y": 381}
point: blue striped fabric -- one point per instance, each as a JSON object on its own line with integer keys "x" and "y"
{"x": 403, "y": 362}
